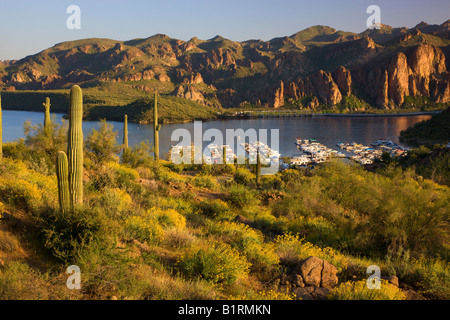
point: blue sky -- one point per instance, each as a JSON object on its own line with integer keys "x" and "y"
{"x": 30, "y": 26}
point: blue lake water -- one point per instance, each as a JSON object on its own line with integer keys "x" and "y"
{"x": 328, "y": 130}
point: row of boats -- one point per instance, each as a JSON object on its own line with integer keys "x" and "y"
{"x": 313, "y": 153}
{"x": 215, "y": 153}
{"x": 316, "y": 153}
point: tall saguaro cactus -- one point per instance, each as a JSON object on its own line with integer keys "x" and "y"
{"x": 224, "y": 154}
{"x": 1, "y": 130}
{"x": 258, "y": 169}
{"x": 75, "y": 146}
{"x": 125, "y": 132}
{"x": 156, "y": 127}
{"x": 69, "y": 167}
{"x": 62, "y": 173}
{"x": 47, "y": 120}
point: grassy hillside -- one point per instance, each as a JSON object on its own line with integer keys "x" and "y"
{"x": 112, "y": 101}
{"x": 154, "y": 230}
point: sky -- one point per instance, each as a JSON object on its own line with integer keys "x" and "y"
{"x": 30, "y": 26}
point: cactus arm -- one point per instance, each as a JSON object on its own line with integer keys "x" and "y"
{"x": 62, "y": 173}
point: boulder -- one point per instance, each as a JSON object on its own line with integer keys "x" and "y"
{"x": 317, "y": 272}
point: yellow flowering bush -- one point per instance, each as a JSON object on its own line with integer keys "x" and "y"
{"x": 143, "y": 229}
{"x": 359, "y": 291}
{"x": 248, "y": 241}
{"x": 291, "y": 249}
{"x": 219, "y": 263}
{"x": 169, "y": 218}
{"x": 115, "y": 200}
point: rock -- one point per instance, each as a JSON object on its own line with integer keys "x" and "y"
{"x": 304, "y": 293}
{"x": 391, "y": 279}
{"x": 279, "y": 96}
{"x": 329, "y": 278}
{"x": 311, "y": 293}
{"x": 343, "y": 79}
{"x": 189, "y": 92}
{"x": 242, "y": 219}
{"x": 317, "y": 272}
{"x": 298, "y": 281}
{"x": 412, "y": 295}
{"x": 326, "y": 88}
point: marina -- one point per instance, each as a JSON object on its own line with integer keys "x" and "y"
{"x": 315, "y": 153}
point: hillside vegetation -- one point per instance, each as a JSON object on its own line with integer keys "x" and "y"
{"x": 154, "y": 230}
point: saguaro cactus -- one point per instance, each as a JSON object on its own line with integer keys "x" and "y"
{"x": 224, "y": 154}
{"x": 47, "y": 120}
{"x": 75, "y": 146}
{"x": 156, "y": 127}
{"x": 125, "y": 133}
{"x": 1, "y": 130}
{"x": 258, "y": 169}
{"x": 62, "y": 173}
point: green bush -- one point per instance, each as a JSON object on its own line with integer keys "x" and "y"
{"x": 65, "y": 234}
{"x": 217, "y": 264}
{"x": 241, "y": 196}
{"x": 243, "y": 176}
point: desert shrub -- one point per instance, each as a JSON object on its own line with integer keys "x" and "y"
{"x": 151, "y": 284}
{"x": 138, "y": 156}
{"x": 218, "y": 169}
{"x": 292, "y": 249}
{"x": 217, "y": 264}
{"x": 66, "y": 233}
{"x": 8, "y": 243}
{"x": 266, "y": 295}
{"x": 177, "y": 168}
{"x": 21, "y": 194}
{"x": 124, "y": 175}
{"x": 359, "y": 291}
{"x": 143, "y": 228}
{"x": 381, "y": 211}
{"x": 213, "y": 208}
{"x": 43, "y": 146}
{"x": 291, "y": 176}
{"x": 169, "y": 218}
{"x": 240, "y": 196}
{"x": 243, "y": 176}
{"x": 248, "y": 241}
{"x": 178, "y": 238}
{"x": 19, "y": 282}
{"x": 430, "y": 276}
{"x": 179, "y": 204}
{"x": 101, "y": 145}
{"x": 272, "y": 182}
{"x": 114, "y": 201}
{"x": 205, "y": 181}
{"x": 16, "y": 150}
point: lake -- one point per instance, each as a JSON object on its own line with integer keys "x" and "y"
{"x": 328, "y": 130}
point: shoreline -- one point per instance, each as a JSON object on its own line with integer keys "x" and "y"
{"x": 240, "y": 117}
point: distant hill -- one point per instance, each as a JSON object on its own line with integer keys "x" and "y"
{"x": 316, "y": 68}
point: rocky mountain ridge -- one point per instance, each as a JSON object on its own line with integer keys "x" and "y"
{"x": 319, "y": 66}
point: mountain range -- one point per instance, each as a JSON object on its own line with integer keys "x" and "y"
{"x": 384, "y": 68}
